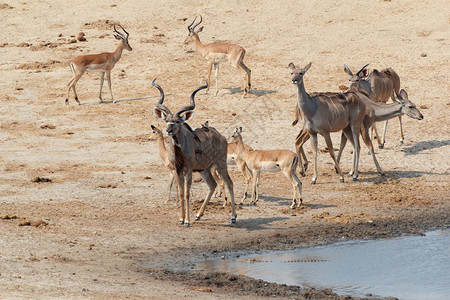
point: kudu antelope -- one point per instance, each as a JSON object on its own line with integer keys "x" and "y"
{"x": 194, "y": 150}
{"x": 376, "y": 112}
{"x": 269, "y": 160}
{"x": 164, "y": 154}
{"x": 381, "y": 112}
{"x": 324, "y": 113}
{"x": 380, "y": 85}
{"x": 103, "y": 63}
{"x": 215, "y": 53}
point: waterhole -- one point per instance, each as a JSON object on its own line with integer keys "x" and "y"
{"x": 408, "y": 267}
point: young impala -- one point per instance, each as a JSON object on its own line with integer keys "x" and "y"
{"x": 268, "y": 160}
{"x": 103, "y": 63}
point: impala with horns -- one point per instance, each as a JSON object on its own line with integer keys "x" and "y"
{"x": 196, "y": 150}
{"x": 269, "y": 160}
{"x": 380, "y": 85}
{"x": 103, "y": 63}
{"x": 324, "y": 113}
{"x": 215, "y": 53}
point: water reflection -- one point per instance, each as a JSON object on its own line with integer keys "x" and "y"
{"x": 412, "y": 267}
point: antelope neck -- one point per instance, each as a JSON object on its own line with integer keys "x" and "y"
{"x": 118, "y": 52}
{"x": 306, "y": 104}
{"x": 162, "y": 147}
{"x": 387, "y": 111}
{"x": 199, "y": 47}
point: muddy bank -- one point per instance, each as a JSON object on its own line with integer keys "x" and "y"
{"x": 415, "y": 222}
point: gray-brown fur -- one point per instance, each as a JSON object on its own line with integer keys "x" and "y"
{"x": 380, "y": 86}
{"x": 194, "y": 150}
{"x": 324, "y": 113}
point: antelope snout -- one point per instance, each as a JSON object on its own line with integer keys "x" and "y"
{"x": 169, "y": 132}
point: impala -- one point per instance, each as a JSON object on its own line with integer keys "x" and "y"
{"x": 269, "y": 160}
{"x": 103, "y": 63}
{"x": 164, "y": 154}
{"x": 194, "y": 150}
{"x": 380, "y": 85}
{"x": 218, "y": 52}
{"x": 234, "y": 159}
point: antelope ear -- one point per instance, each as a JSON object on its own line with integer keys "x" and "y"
{"x": 188, "y": 115}
{"x": 307, "y": 67}
{"x": 403, "y": 94}
{"x": 365, "y": 72}
{"x": 117, "y": 37}
{"x": 291, "y": 66}
{"x": 200, "y": 29}
{"x": 160, "y": 114}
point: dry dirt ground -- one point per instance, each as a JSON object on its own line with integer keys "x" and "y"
{"x": 82, "y": 188}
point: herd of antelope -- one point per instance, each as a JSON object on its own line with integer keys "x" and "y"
{"x": 206, "y": 151}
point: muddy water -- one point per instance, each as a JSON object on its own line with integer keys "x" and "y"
{"x": 411, "y": 267}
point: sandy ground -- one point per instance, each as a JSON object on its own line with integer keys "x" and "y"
{"x": 98, "y": 227}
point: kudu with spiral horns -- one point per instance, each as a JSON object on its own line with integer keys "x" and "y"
{"x": 196, "y": 150}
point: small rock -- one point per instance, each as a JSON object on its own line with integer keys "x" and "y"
{"x": 41, "y": 179}
{"x": 423, "y": 55}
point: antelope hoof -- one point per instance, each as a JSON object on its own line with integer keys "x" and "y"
{"x": 313, "y": 182}
{"x": 186, "y": 224}
{"x": 354, "y": 179}
{"x": 233, "y": 220}
{"x": 380, "y": 146}
{"x": 67, "y": 101}
{"x": 181, "y": 222}
{"x": 197, "y": 217}
{"x": 383, "y": 174}
{"x": 342, "y": 180}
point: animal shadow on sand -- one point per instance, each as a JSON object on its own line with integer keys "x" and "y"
{"x": 251, "y": 224}
{"x": 286, "y": 202}
{"x": 417, "y": 148}
{"x": 376, "y": 178}
{"x": 255, "y": 92}
{"x": 122, "y": 100}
